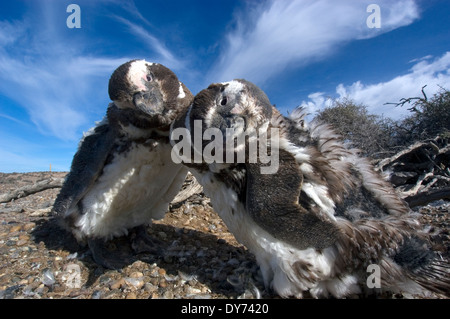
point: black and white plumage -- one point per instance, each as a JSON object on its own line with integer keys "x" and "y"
{"x": 323, "y": 217}
{"x": 122, "y": 175}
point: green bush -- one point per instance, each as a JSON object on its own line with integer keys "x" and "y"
{"x": 367, "y": 132}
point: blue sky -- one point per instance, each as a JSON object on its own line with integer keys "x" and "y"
{"x": 53, "y": 79}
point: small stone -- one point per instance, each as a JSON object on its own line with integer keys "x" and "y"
{"x": 15, "y": 228}
{"x": 162, "y": 271}
{"x": 154, "y": 281}
{"x": 150, "y": 287}
{"x": 205, "y": 290}
{"x": 97, "y": 294}
{"x": 168, "y": 294}
{"x": 155, "y": 295}
{"x": 29, "y": 226}
{"x": 48, "y": 279}
{"x": 194, "y": 290}
{"x": 131, "y": 295}
{"x": 163, "y": 284}
{"x": 136, "y": 274}
{"x": 117, "y": 284}
{"x": 137, "y": 283}
{"x": 21, "y": 242}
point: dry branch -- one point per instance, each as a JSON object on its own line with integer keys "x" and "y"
{"x": 415, "y": 189}
{"x": 429, "y": 196}
{"x": 32, "y": 189}
{"x": 421, "y": 171}
{"x": 406, "y": 152}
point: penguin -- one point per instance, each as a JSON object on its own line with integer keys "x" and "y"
{"x": 122, "y": 176}
{"x": 322, "y": 224}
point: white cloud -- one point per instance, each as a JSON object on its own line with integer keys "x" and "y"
{"x": 164, "y": 55}
{"x": 434, "y": 73}
{"x": 54, "y": 82}
{"x": 281, "y": 34}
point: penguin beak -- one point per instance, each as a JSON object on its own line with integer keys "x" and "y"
{"x": 148, "y": 102}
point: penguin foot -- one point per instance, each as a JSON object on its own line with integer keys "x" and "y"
{"x": 112, "y": 254}
{"x": 142, "y": 242}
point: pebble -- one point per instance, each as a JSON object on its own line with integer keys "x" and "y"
{"x": 150, "y": 287}
{"x": 48, "y": 279}
{"x": 155, "y": 295}
{"x": 118, "y": 284}
{"x": 137, "y": 283}
{"x": 136, "y": 274}
{"x": 154, "y": 281}
{"x": 21, "y": 242}
{"x": 29, "y": 226}
{"x": 162, "y": 271}
{"x": 15, "y": 228}
{"x": 97, "y": 294}
{"x": 168, "y": 294}
{"x": 163, "y": 284}
{"x": 131, "y": 295}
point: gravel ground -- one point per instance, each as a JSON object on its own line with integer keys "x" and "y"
{"x": 202, "y": 260}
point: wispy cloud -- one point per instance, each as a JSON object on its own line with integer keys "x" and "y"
{"x": 50, "y": 78}
{"x": 162, "y": 54}
{"x": 281, "y": 34}
{"x": 434, "y": 73}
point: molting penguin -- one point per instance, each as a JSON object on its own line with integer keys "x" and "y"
{"x": 318, "y": 222}
{"x": 122, "y": 175}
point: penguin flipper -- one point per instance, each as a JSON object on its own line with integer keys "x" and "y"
{"x": 272, "y": 202}
{"x": 87, "y": 165}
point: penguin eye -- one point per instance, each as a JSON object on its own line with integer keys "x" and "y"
{"x": 224, "y": 101}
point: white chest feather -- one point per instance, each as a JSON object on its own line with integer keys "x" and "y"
{"x": 134, "y": 188}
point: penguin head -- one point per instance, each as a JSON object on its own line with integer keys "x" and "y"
{"x": 150, "y": 89}
{"x": 238, "y": 105}
{"x": 235, "y": 111}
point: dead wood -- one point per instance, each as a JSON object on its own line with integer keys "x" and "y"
{"x": 420, "y": 172}
{"x": 429, "y": 196}
{"x": 32, "y": 189}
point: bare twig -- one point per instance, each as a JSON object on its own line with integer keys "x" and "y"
{"x": 415, "y": 189}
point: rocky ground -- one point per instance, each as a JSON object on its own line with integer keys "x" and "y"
{"x": 201, "y": 258}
